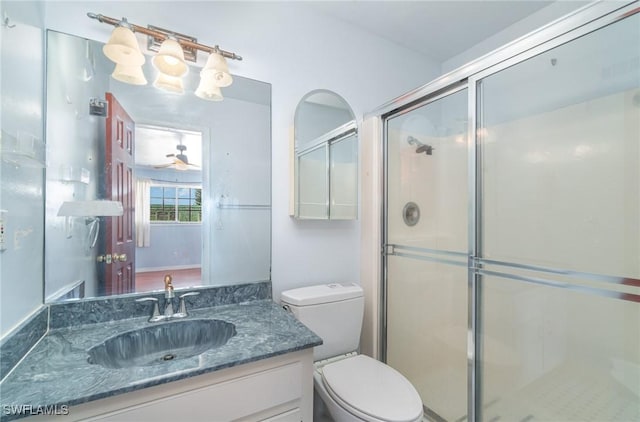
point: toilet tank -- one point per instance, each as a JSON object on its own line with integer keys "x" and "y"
{"x": 332, "y": 311}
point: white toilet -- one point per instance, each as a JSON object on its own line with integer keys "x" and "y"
{"x": 353, "y": 387}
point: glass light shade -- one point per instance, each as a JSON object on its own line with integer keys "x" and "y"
{"x": 123, "y": 48}
{"x": 207, "y": 89}
{"x": 170, "y": 59}
{"x": 218, "y": 68}
{"x": 129, "y": 74}
{"x": 169, "y": 83}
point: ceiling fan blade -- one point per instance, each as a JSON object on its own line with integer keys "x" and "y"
{"x": 170, "y": 155}
{"x": 162, "y": 166}
{"x": 178, "y": 164}
{"x": 183, "y": 164}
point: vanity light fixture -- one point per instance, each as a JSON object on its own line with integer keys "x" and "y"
{"x": 123, "y": 47}
{"x": 217, "y": 70}
{"x": 129, "y": 74}
{"x": 170, "y": 59}
{"x": 173, "y": 51}
{"x": 171, "y": 67}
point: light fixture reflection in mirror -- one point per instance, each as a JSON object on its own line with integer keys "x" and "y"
{"x": 169, "y": 83}
{"x": 208, "y": 89}
{"x": 129, "y": 74}
{"x": 235, "y": 135}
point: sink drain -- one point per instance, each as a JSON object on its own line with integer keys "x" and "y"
{"x": 168, "y": 356}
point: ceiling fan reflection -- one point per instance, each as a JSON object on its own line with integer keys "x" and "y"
{"x": 180, "y": 160}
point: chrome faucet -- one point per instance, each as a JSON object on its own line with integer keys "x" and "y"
{"x": 168, "y": 300}
{"x": 168, "y": 296}
{"x": 155, "y": 314}
{"x": 182, "y": 309}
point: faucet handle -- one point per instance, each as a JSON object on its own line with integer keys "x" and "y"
{"x": 182, "y": 310}
{"x": 155, "y": 315}
{"x": 147, "y": 299}
{"x": 168, "y": 281}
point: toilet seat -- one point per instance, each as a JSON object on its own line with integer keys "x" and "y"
{"x": 371, "y": 390}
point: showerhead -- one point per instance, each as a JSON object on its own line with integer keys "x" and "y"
{"x": 413, "y": 141}
{"x": 427, "y": 149}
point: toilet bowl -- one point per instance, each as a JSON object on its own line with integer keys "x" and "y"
{"x": 359, "y": 388}
{"x": 353, "y": 387}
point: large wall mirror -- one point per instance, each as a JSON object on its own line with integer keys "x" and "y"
{"x": 199, "y": 184}
{"x": 326, "y": 158}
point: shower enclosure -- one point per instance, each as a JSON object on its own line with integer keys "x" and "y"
{"x": 511, "y": 264}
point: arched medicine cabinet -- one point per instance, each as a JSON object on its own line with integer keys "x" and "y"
{"x": 326, "y": 158}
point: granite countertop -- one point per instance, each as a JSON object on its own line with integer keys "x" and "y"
{"x": 56, "y": 371}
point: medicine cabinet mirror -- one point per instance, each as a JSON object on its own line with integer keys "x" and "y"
{"x": 326, "y": 158}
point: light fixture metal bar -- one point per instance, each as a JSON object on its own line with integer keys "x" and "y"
{"x": 164, "y": 35}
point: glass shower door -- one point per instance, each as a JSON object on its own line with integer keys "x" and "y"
{"x": 560, "y": 232}
{"x": 426, "y": 251}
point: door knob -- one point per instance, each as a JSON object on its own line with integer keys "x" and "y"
{"x": 108, "y": 258}
{"x": 104, "y": 258}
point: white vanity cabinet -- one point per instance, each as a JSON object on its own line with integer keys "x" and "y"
{"x": 275, "y": 389}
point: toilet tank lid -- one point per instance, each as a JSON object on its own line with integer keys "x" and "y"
{"x": 324, "y": 293}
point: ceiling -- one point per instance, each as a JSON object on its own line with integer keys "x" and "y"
{"x": 437, "y": 29}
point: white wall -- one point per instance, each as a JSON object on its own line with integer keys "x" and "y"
{"x": 21, "y": 91}
{"x": 173, "y": 246}
{"x": 532, "y": 22}
{"x": 282, "y": 43}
